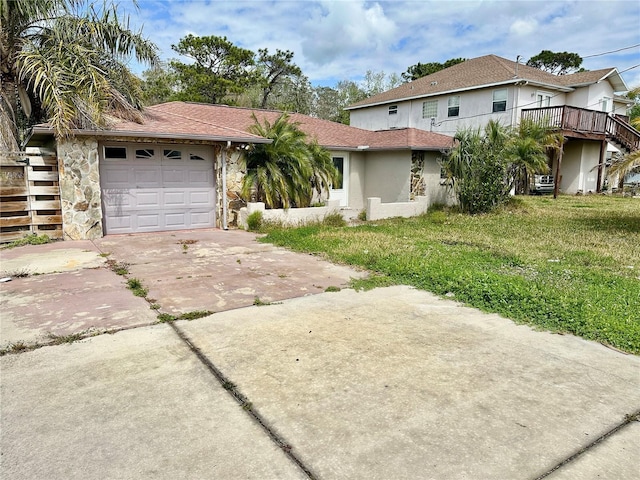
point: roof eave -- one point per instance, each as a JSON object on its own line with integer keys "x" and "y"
{"x": 512, "y": 81}
{"x": 164, "y": 136}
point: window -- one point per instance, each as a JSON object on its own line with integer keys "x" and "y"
{"x": 430, "y": 109}
{"x": 173, "y": 154}
{"x": 500, "y": 100}
{"x": 115, "y": 152}
{"x": 193, "y": 156}
{"x": 393, "y": 110}
{"x": 453, "y": 106}
{"x": 543, "y": 99}
{"x": 144, "y": 154}
{"x": 606, "y": 101}
{"x": 338, "y": 162}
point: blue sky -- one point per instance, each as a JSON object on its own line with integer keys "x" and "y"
{"x": 342, "y": 39}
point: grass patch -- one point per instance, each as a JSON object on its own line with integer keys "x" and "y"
{"x": 570, "y": 265}
{"x": 33, "y": 239}
{"x": 135, "y": 285}
{"x": 334, "y": 220}
{"x": 332, "y": 288}
{"x": 166, "y": 317}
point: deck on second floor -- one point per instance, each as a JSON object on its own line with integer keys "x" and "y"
{"x": 577, "y": 122}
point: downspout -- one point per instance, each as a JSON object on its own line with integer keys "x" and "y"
{"x": 223, "y": 154}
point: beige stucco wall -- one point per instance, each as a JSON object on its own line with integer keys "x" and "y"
{"x": 435, "y": 189}
{"x": 579, "y": 170}
{"x": 357, "y": 167}
{"x": 388, "y": 176}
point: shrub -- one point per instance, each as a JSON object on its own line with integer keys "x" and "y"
{"x": 254, "y": 222}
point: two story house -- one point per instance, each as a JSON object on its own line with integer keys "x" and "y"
{"x": 583, "y": 106}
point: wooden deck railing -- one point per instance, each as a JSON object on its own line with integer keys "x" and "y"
{"x": 584, "y": 121}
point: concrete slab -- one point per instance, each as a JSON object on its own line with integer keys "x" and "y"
{"x": 219, "y": 270}
{"x": 616, "y": 457}
{"x": 396, "y": 383}
{"x": 84, "y": 300}
{"x": 136, "y": 404}
{"x": 50, "y": 258}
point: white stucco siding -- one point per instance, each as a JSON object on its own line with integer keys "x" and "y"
{"x": 475, "y": 111}
{"x": 579, "y": 166}
{"x": 597, "y": 92}
{"x": 388, "y": 176}
{"x": 357, "y": 199}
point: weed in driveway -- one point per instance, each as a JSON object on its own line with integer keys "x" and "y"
{"x": 136, "y": 287}
{"x": 16, "y": 347}
{"x": 194, "y": 315}
{"x": 120, "y": 268}
{"x": 60, "y": 339}
{"x": 332, "y": 289}
{"x": 166, "y": 317}
{"x": 18, "y": 273}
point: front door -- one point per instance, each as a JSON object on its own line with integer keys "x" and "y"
{"x": 340, "y": 190}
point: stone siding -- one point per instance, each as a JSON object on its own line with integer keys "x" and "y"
{"x": 80, "y": 188}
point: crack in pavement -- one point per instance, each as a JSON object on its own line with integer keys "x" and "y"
{"x": 244, "y": 403}
{"x": 634, "y": 417}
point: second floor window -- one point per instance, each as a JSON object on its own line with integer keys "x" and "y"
{"x": 500, "y": 100}
{"x": 453, "y": 106}
{"x": 430, "y": 109}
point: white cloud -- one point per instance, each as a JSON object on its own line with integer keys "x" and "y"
{"x": 523, "y": 27}
{"x": 339, "y": 39}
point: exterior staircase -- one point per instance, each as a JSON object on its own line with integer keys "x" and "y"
{"x": 621, "y": 134}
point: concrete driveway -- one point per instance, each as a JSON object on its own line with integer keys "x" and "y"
{"x": 390, "y": 383}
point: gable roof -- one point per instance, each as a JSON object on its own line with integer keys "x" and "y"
{"x": 200, "y": 121}
{"x": 486, "y": 71}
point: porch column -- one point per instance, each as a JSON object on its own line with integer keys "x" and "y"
{"x": 556, "y": 182}
{"x": 603, "y": 152}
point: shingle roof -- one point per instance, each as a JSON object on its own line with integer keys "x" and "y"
{"x": 328, "y": 134}
{"x": 479, "y": 72}
{"x": 200, "y": 121}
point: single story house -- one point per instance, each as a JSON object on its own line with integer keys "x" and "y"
{"x": 180, "y": 168}
{"x": 583, "y": 106}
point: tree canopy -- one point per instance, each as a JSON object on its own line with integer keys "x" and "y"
{"x": 558, "y": 63}
{"x": 219, "y": 68}
{"x": 420, "y": 70}
{"x": 62, "y": 61}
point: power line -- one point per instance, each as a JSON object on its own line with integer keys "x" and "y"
{"x": 630, "y": 68}
{"x": 612, "y": 51}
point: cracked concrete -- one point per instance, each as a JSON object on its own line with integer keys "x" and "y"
{"x": 390, "y": 383}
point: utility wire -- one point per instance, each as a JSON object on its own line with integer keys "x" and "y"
{"x": 611, "y": 51}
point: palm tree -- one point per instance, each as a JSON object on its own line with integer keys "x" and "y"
{"x": 529, "y": 150}
{"x": 61, "y": 61}
{"x": 283, "y": 173}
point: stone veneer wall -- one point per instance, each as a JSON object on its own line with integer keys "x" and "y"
{"x": 80, "y": 188}
{"x": 234, "y": 186}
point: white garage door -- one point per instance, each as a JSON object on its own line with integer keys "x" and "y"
{"x": 157, "y": 188}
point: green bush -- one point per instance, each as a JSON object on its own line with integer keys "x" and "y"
{"x": 254, "y": 221}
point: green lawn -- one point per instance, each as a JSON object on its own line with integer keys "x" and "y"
{"x": 566, "y": 265}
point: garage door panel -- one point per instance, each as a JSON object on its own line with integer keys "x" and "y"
{"x": 148, "y": 220}
{"x": 152, "y": 194}
{"x": 175, "y": 199}
{"x": 148, "y": 178}
{"x": 113, "y": 197}
{"x": 200, "y": 219}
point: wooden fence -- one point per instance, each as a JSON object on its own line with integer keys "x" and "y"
{"x": 29, "y": 195}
